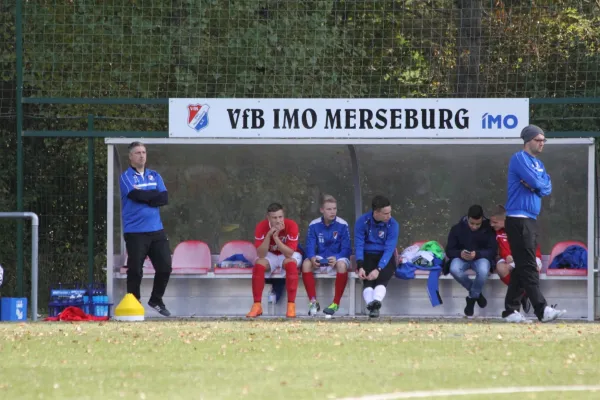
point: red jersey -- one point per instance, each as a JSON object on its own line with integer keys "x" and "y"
{"x": 504, "y": 247}
{"x": 288, "y": 235}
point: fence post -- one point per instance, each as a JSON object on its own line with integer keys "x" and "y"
{"x": 90, "y": 151}
{"x": 19, "y": 105}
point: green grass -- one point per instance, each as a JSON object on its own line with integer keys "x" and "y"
{"x": 294, "y": 360}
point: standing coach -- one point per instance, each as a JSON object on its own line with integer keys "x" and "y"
{"x": 142, "y": 193}
{"x": 528, "y": 182}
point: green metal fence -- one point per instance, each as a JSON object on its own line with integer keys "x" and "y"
{"x": 75, "y": 72}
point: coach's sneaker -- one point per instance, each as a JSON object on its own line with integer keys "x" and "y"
{"x": 517, "y": 317}
{"x": 255, "y": 311}
{"x": 291, "y": 310}
{"x": 160, "y": 307}
{"x": 551, "y": 313}
{"x": 373, "y": 308}
{"x": 331, "y": 309}
{"x": 313, "y": 308}
{"x": 470, "y": 308}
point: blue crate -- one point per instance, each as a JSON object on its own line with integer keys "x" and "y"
{"x": 13, "y": 309}
{"x": 92, "y": 299}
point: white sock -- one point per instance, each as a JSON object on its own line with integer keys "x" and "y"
{"x": 379, "y": 293}
{"x": 368, "y": 295}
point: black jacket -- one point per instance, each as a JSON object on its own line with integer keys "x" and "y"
{"x": 482, "y": 241}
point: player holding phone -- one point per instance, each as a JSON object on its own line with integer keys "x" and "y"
{"x": 472, "y": 245}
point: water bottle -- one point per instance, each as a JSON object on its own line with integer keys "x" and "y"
{"x": 271, "y": 303}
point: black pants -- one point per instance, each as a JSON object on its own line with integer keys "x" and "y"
{"x": 154, "y": 245}
{"x": 371, "y": 263}
{"x": 522, "y": 237}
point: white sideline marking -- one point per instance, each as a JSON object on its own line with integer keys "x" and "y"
{"x": 466, "y": 392}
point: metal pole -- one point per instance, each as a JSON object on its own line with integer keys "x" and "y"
{"x": 357, "y": 213}
{"x": 110, "y": 223}
{"x": 35, "y": 222}
{"x": 356, "y": 183}
{"x": 19, "y": 106}
{"x": 90, "y": 142}
{"x": 591, "y": 218}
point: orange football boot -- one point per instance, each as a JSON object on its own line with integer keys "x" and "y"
{"x": 291, "y": 310}
{"x": 255, "y": 311}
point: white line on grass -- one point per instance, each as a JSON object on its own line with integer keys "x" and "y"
{"x": 466, "y": 392}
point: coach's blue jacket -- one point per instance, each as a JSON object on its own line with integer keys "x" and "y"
{"x": 328, "y": 240}
{"x": 523, "y": 200}
{"x": 371, "y": 236}
{"x": 141, "y": 197}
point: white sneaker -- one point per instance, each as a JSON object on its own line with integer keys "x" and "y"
{"x": 551, "y": 313}
{"x": 518, "y": 318}
{"x": 313, "y": 308}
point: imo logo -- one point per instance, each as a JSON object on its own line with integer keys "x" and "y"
{"x": 499, "y": 121}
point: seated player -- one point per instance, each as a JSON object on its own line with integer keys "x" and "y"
{"x": 375, "y": 239}
{"x": 276, "y": 241}
{"x": 327, "y": 244}
{"x": 472, "y": 245}
{"x": 506, "y": 263}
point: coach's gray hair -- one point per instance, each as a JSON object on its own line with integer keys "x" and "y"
{"x": 133, "y": 145}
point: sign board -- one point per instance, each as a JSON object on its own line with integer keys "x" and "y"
{"x": 347, "y": 118}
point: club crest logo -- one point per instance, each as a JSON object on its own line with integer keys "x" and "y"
{"x": 335, "y": 234}
{"x": 198, "y": 116}
{"x": 381, "y": 234}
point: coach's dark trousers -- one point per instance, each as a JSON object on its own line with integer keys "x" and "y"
{"x": 154, "y": 245}
{"x": 522, "y": 237}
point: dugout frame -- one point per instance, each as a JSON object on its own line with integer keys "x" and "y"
{"x": 352, "y": 143}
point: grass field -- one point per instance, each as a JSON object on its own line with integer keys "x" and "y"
{"x": 303, "y": 359}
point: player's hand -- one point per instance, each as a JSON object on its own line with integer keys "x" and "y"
{"x": 472, "y": 255}
{"x": 314, "y": 262}
{"x": 464, "y": 255}
{"x": 272, "y": 231}
{"x": 509, "y": 259}
{"x": 373, "y": 275}
{"x": 361, "y": 274}
{"x": 331, "y": 261}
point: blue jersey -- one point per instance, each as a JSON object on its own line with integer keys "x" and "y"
{"x": 522, "y": 200}
{"x": 140, "y": 217}
{"x": 372, "y": 236}
{"x": 331, "y": 240}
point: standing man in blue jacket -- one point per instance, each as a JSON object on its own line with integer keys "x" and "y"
{"x": 528, "y": 182}
{"x": 472, "y": 245}
{"x": 327, "y": 245}
{"x": 375, "y": 238}
{"x": 142, "y": 193}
